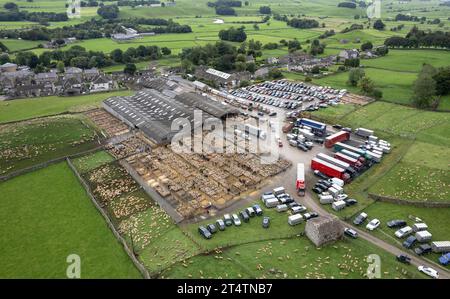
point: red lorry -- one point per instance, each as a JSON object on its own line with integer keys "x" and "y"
{"x": 329, "y": 169}
{"x": 350, "y": 160}
{"x": 287, "y": 127}
{"x": 336, "y": 137}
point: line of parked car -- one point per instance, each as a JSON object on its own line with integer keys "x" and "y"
{"x": 331, "y": 191}
{"x": 229, "y": 220}
{"x": 282, "y": 201}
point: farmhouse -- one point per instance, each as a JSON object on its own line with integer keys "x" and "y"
{"x": 8, "y": 67}
{"x": 348, "y": 54}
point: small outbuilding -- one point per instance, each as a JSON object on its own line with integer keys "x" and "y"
{"x": 324, "y": 229}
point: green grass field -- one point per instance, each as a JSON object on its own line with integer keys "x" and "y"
{"x": 44, "y": 106}
{"x": 45, "y": 222}
{"x": 92, "y": 161}
{"x": 29, "y": 143}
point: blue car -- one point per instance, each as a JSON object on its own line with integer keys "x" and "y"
{"x": 445, "y": 259}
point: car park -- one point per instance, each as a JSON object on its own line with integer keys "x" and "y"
{"x": 266, "y": 222}
{"x": 373, "y": 224}
{"x": 236, "y": 220}
{"x": 360, "y": 219}
{"x": 220, "y": 224}
{"x": 403, "y": 258}
{"x": 409, "y": 242}
{"x": 396, "y": 223}
{"x": 204, "y": 232}
{"x": 429, "y": 271}
{"x": 351, "y": 233}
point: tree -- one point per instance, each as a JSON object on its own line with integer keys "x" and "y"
{"x": 233, "y": 34}
{"x": 4, "y": 58}
{"x": 60, "y": 66}
{"x": 316, "y": 47}
{"x": 366, "y": 46}
{"x": 117, "y": 55}
{"x": 265, "y": 10}
{"x": 130, "y": 69}
{"x": 367, "y": 86}
{"x": 424, "y": 88}
{"x": 275, "y": 74}
{"x": 378, "y": 25}
{"x": 354, "y": 76}
{"x": 108, "y": 11}
{"x": 352, "y": 62}
{"x": 10, "y": 6}
{"x": 294, "y": 45}
{"x": 251, "y": 67}
{"x": 166, "y": 51}
{"x": 442, "y": 78}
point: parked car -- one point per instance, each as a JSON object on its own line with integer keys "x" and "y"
{"x": 351, "y": 233}
{"x": 244, "y": 216}
{"x": 342, "y": 196}
{"x": 409, "y": 242}
{"x": 403, "y": 258}
{"x": 317, "y": 190}
{"x": 266, "y": 222}
{"x": 212, "y": 228}
{"x": 298, "y": 209}
{"x": 422, "y": 249}
{"x": 445, "y": 259}
{"x": 250, "y": 212}
{"x": 236, "y": 220}
{"x": 428, "y": 271}
{"x": 373, "y": 224}
{"x": 350, "y": 202}
{"x": 403, "y": 232}
{"x": 258, "y": 210}
{"x": 310, "y": 215}
{"x": 360, "y": 219}
{"x": 204, "y": 232}
{"x": 227, "y": 219}
{"x": 396, "y": 223}
{"x": 220, "y": 224}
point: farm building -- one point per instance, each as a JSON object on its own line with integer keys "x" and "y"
{"x": 324, "y": 229}
{"x": 221, "y": 78}
{"x": 154, "y": 112}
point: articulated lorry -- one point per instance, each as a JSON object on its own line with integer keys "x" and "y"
{"x": 336, "y": 137}
{"x": 300, "y": 183}
{"x": 329, "y": 169}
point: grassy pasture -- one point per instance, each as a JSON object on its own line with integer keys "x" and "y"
{"x": 32, "y": 142}
{"x": 44, "y": 106}
{"x": 45, "y": 222}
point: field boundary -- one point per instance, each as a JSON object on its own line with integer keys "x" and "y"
{"x": 425, "y": 204}
{"x": 111, "y": 226}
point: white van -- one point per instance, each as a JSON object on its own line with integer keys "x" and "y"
{"x": 336, "y": 181}
{"x": 282, "y": 208}
{"x": 295, "y": 219}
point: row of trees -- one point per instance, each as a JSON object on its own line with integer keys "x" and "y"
{"x": 221, "y": 56}
{"x": 108, "y": 11}
{"x": 303, "y": 23}
{"x": 96, "y": 29}
{"x": 347, "y": 5}
{"x": 78, "y": 56}
{"x": 418, "y": 38}
{"x": 40, "y": 17}
{"x": 430, "y": 85}
{"x": 409, "y": 18}
{"x": 233, "y": 34}
{"x": 225, "y": 3}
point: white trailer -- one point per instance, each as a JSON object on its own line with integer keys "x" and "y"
{"x": 272, "y": 202}
{"x": 338, "y": 188}
{"x": 373, "y": 138}
{"x": 326, "y": 199}
{"x": 385, "y": 149}
{"x": 417, "y": 227}
{"x": 338, "y": 205}
{"x": 440, "y": 246}
{"x": 282, "y": 208}
{"x": 278, "y": 191}
{"x": 423, "y": 236}
{"x": 363, "y": 132}
{"x": 265, "y": 197}
{"x": 295, "y": 219}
